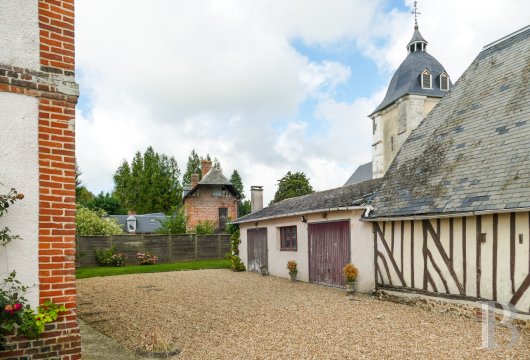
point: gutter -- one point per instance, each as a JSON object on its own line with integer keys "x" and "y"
{"x": 298, "y": 213}
{"x": 449, "y": 215}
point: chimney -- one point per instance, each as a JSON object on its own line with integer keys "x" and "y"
{"x": 256, "y": 198}
{"x": 206, "y": 166}
{"x": 194, "y": 180}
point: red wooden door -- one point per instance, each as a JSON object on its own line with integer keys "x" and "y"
{"x": 257, "y": 249}
{"x": 329, "y": 251}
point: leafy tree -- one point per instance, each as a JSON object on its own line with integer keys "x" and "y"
{"x": 243, "y": 205}
{"x": 206, "y": 227}
{"x": 82, "y": 194}
{"x": 194, "y": 166}
{"x": 176, "y": 223}
{"x": 150, "y": 183}
{"x": 292, "y": 185}
{"x": 107, "y": 202}
{"x": 94, "y": 222}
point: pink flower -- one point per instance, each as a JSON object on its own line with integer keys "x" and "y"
{"x": 17, "y": 306}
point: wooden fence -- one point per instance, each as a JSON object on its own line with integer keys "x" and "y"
{"x": 168, "y": 248}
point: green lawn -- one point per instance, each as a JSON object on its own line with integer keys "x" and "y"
{"x": 88, "y": 272}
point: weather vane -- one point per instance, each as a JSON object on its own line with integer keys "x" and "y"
{"x": 415, "y": 13}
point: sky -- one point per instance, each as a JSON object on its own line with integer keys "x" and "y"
{"x": 265, "y": 86}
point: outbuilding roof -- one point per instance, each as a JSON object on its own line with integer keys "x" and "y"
{"x": 472, "y": 151}
{"x": 335, "y": 199}
{"x": 363, "y": 173}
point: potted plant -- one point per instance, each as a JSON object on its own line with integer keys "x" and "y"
{"x": 264, "y": 269}
{"x": 293, "y": 270}
{"x": 350, "y": 273}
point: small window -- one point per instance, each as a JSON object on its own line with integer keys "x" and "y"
{"x": 288, "y": 238}
{"x": 444, "y": 82}
{"x": 392, "y": 143}
{"x": 374, "y": 126}
{"x": 426, "y": 80}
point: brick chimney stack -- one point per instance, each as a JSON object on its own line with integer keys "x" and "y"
{"x": 194, "y": 180}
{"x": 206, "y": 166}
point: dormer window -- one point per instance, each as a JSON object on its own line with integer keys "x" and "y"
{"x": 426, "y": 79}
{"x": 444, "y": 81}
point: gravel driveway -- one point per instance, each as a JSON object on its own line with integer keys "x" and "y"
{"x": 218, "y": 314}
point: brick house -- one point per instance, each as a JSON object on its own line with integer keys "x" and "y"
{"x": 213, "y": 198}
{"x": 38, "y": 95}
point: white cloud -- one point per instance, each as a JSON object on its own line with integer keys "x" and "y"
{"x": 223, "y": 78}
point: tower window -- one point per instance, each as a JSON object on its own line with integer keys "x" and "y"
{"x": 392, "y": 143}
{"x": 426, "y": 79}
{"x": 444, "y": 82}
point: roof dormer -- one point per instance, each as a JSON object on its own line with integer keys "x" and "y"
{"x": 426, "y": 79}
{"x": 444, "y": 81}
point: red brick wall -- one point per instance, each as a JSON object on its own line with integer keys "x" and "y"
{"x": 206, "y": 207}
{"x": 56, "y": 177}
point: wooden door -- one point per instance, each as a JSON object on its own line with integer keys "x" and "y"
{"x": 223, "y": 217}
{"x": 257, "y": 249}
{"x": 329, "y": 251}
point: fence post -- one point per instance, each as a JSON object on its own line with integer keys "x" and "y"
{"x": 196, "y": 249}
{"x": 143, "y": 246}
{"x": 170, "y": 249}
{"x": 219, "y": 245}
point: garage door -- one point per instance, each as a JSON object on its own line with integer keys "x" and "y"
{"x": 329, "y": 251}
{"x": 257, "y": 249}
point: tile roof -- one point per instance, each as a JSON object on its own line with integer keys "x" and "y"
{"x": 345, "y": 196}
{"x": 213, "y": 177}
{"x": 472, "y": 151}
{"x": 145, "y": 223}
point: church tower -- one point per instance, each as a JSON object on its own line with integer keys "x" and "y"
{"x": 416, "y": 87}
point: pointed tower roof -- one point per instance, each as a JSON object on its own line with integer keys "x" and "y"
{"x": 417, "y": 38}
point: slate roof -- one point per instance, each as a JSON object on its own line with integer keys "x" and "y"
{"x": 406, "y": 79}
{"x": 345, "y": 196}
{"x": 145, "y": 223}
{"x": 363, "y": 173}
{"x": 416, "y": 37}
{"x": 472, "y": 151}
{"x": 213, "y": 177}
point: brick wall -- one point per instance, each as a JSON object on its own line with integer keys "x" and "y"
{"x": 54, "y": 85}
{"x": 206, "y": 206}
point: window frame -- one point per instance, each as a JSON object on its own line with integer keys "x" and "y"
{"x": 446, "y": 77}
{"x": 288, "y": 234}
{"x": 424, "y": 72}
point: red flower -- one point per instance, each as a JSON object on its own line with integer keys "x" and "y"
{"x": 17, "y": 306}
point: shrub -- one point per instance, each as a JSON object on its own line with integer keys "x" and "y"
{"x": 108, "y": 257}
{"x": 205, "y": 227}
{"x": 292, "y": 266}
{"x": 235, "y": 240}
{"x": 176, "y": 223}
{"x": 147, "y": 258}
{"x": 350, "y": 272}
{"x": 93, "y": 222}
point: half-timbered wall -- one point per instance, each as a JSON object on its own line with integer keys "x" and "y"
{"x": 475, "y": 257}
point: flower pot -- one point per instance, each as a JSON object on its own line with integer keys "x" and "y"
{"x": 293, "y": 276}
{"x": 264, "y": 270}
{"x": 350, "y": 286}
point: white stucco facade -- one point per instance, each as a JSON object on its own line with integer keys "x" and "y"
{"x": 19, "y": 34}
{"x": 361, "y": 245}
{"x": 19, "y": 166}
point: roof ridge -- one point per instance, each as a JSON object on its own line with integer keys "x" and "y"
{"x": 506, "y": 37}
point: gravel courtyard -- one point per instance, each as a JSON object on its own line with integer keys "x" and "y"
{"x": 218, "y": 314}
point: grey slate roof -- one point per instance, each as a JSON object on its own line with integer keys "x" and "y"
{"x": 345, "y": 196}
{"x": 363, "y": 173}
{"x": 145, "y": 223}
{"x": 472, "y": 151}
{"x": 417, "y": 37}
{"x": 406, "y": 79}
{"x": 213, "y": 177}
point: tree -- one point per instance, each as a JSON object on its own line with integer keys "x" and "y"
{"x": 149, "y": 184}
{"x": 107, "y": 202}
{"x": 194, "y": 166}
{"x": 176, "y": 223}
{"x": 243, "y": 205}
{"x": 292, "y": 185}
{"x": 94, "y": 222}
{"x": 82, "y": 194}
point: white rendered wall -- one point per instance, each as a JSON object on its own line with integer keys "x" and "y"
{"x": 361, "y": 248}
{"x": 19, "y": 33}
{"x": 19, "y": 166}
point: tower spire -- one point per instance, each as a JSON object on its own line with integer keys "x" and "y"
{"x": 415, "y": 13}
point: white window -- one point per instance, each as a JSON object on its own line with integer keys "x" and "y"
{"x": 444, "y": 81}
{"x": 426, "y": 79}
